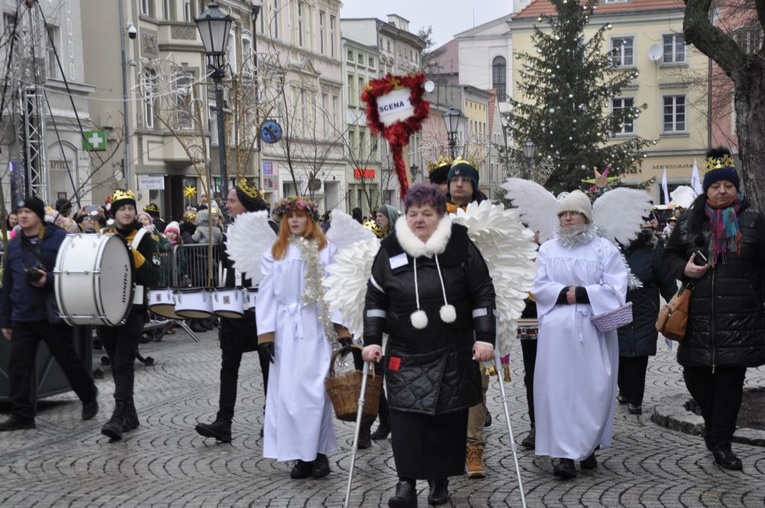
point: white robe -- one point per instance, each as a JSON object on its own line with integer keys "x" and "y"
{"x": 298, "y": 410}
{"x": 577, "y": 365}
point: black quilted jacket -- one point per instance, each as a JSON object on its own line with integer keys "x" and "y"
{"x": 726, "y": 324}
{"x": 430, "y": 371}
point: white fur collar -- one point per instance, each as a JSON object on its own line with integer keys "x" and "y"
{"x": 415, "y": 247}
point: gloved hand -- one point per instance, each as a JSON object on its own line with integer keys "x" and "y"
{"x": 267, "y": 350}
{"x": 345, "y": 345}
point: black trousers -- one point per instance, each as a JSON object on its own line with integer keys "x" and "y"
{"x": 121, "y": 344}
{"x": 59, "y": 339}
{"x": 237, "y": 336}
{"x": 631, "y": 378}
{"x": 529, "y": 352}
{"x": 718, "y": 394}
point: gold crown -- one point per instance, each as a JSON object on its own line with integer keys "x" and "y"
{"x": 189, "y": 215}
{"x": 469, "y": 162}
{"x": 725, "y": 161}
{"x": 151, "y": 207}
{"x": 121, "y": 194}
{"x": 440, "y": 162}
{"x": 248, "y": 189}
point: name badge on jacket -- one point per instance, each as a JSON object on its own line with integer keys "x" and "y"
{"x": 398, "y": 261}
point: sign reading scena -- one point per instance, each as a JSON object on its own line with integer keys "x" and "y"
{"x": 94, "y": 140}
{"x": 395, "y": 106}
{"x": 151, "y": 182}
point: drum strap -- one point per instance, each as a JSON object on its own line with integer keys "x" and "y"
{"x": 138, "y": 237}
{"x": 138, "y": 294}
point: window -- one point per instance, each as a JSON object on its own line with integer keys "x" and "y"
{"x": 371, "y": 63}
{"x": 167, "y": 10}
{"x": 335, "y": 108}
{"x": 350, "y": 56}
{"x": 51, "y": 46}
{"x": 674, "y": 49}
{"x": 622, "y": 108}
{"x": 149, "y": 85}
{"x": 212, "y": 123}
{"x": 362, "y": 144}
{"x": 499, "y": 77}
{"x": 322, "y": 15}
{"x": 300, "y": 9}
{"x": 359, "y": 91}
{"x": 623, "y": 51}
{"x": 188, "y": 16}
{"x": 748, "y": 38}
{"x": 147, "y": 7}
{"x": 351, "y": 94}
{"x": 332, "y": 35}
{"x": 276, "y": 19}
{"x": 325, "y": 113}
{"x": 184, "y": 98}
{"x": 674, "y": 113}
{"x": 231, "y": 52}
{"x": 247, "y": 56}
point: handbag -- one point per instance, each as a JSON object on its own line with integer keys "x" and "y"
{"x": 673, "y": 317}
{"x": 613, "y": 319}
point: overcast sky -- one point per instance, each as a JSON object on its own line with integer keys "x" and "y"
{"x": 447, "y": 17}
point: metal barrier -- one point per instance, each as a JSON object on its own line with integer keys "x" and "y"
{"x": 189, "y": 266}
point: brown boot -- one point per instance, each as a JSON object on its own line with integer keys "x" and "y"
{"x": 474, "y": 465}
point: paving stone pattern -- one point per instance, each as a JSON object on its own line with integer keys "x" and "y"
{"x": 67, "y": 462}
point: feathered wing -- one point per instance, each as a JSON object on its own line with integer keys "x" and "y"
{"x": 247, "y": 238}
{"x": 347, "y": 280}
{"x": 619, "y": 213}
{"x": 509, "y": 250}
{"x": 345, "y": 231}
{"x": 537, "y": 206}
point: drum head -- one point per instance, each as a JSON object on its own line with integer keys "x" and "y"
{"x": 115, "y": 281}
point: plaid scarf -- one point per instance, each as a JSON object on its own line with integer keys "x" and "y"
{"x": 723, "y": 224}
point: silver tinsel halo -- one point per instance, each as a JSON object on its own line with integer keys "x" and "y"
{"x": 313, "y": 292}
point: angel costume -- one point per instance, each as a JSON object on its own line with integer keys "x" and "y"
{"x": 298, "y": 410}
{"x": 577, "y": 365}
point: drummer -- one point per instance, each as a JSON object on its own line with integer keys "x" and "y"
{"x": 121, "y": 342}
{"x": 237, "y": 336}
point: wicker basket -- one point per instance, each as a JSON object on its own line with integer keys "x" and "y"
{"x": 344, "y": 391}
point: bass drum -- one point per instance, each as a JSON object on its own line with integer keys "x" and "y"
{"x": 94, "y": 280}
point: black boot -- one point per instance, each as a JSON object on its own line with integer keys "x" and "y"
{"x": 565, "y": 469}
{"x": 130, "y": 421}
{"x": 113, "y": 428}
{"x": 365, "y": 434}
{"x": 301, "y": 469}
{"x": 320, "y": 466}
{"x": 405, "y": 496}
{"x": 439, "y": 491}
{"x": 16, "y": 423}
{"x": 530, "y": 441}
{"x": 219, "y": 429}
{"x": 725, "y": 458}
{"x": 383, "y": 429}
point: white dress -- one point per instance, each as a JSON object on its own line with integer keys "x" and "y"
{"x": 577, "y": 365}
{"x": 298, "y": 410}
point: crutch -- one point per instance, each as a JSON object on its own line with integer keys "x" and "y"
{"x": 362, "y": 395}
{"x": 513, "y": 447}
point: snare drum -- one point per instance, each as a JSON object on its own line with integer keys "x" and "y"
{"x": 193, "y": 303}
{"x": 528, "y": 328}
{"x": 94, "y": 280}
{"x": 162, "y": 303}
{"x": 250, "y": 296}
{"x": 228, "y": 303}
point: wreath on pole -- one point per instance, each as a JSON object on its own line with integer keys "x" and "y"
{"x": 395, "y": 110}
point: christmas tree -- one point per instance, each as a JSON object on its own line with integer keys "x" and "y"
{"x": 567, "y": 88}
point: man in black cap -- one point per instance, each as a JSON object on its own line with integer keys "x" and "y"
{"x": 438, "y": 171}
{"x": 25, "y": 319}
{"x": 237, "y": 336}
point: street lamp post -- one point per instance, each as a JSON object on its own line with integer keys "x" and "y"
{"x": 529, "y": 150}
{"x": 452, "y": 122}
{"x": 214, "y": 28}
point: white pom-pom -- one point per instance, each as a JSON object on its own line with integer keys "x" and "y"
{"x": 419, "y": 319}
{"x": 448, "y": 313}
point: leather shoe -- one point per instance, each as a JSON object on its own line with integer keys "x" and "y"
{"x": 381, "y": 432}
{"x": 487, "y": 419}
{"x": 90, "y": 408}
{"x": 365, "y": 435}
{"x": 320, "y": 466}
{"x": 530, "y": 441}
{"x": 590, "y": 462}
{"x": 726, "y": 459}
{"x": 635, "y": 409}
{"x": 439, "y": 491}
{"x": 219, "y": 430}
{"x": 16, "y": 423}
{"x": 405, "y": 496}
{"x": 565, "y": 469}
{"x": 301, "y": 469}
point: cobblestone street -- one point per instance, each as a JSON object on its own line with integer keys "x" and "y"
{"x": 67, "y": 462}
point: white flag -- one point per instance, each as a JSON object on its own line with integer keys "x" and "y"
{"x": 664, "y": 186}
{"x": 695, "y": 181}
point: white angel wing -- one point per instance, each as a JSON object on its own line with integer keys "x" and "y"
{"x": 682, "y": 196}
{"x": 347, "y": 280}
{"x": 345, "y": 231}
{"x": 619, "y": 213}
{"x": 509, "y": 250}
{"x": 537, "y": 205}
{"x": 247, "y": 238}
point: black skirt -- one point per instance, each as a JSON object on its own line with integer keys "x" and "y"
{"x": 429, "y": 447}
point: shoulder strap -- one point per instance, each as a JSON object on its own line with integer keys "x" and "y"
{"x": 138, "y": 237}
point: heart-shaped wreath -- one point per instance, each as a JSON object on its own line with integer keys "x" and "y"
{"x": 397, "y": 133}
